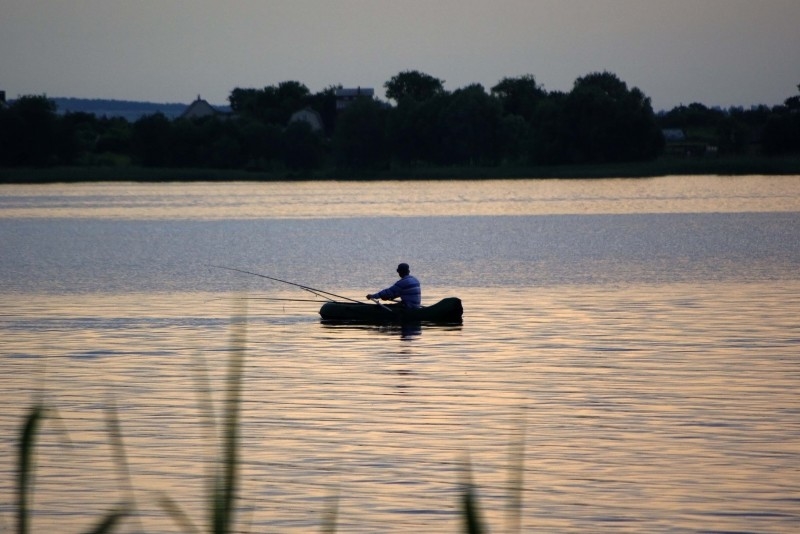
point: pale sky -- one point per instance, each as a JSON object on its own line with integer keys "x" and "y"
{"x": 716, "y": 52}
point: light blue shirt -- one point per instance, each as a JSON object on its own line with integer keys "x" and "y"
{"x": 407, "y": 288}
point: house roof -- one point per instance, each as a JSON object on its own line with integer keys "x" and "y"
{"x": 673, "y": 134}
{"x": 310, "y": 116}
{"x": 199, "y": 109}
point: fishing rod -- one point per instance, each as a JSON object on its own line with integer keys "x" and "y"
{"x": 276, "y": 298}
{"x": 313, "y": 291}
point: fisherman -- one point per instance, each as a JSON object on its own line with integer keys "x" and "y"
{"x": 407, "y": 288}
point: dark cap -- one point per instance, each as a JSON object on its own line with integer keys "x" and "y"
{"x": 403, "y": 268}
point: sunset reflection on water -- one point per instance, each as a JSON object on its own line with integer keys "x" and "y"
{"x": 256, "y": 200}
{"x": 638, "y": 404}
{"x": 642, "y": 344}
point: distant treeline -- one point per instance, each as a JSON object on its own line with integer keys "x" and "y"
{"x": 517, "y": 122}
{"x": 127, "y": 109}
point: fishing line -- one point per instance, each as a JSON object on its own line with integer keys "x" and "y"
{"x": 316, "y": 292}
{"x": 276, "y": 298}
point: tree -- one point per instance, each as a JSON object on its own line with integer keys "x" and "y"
{"x": 551, "y": 134}
{"x": 514, "y": 137}
{"x": 402, "y": 133}
{"x": 208, "y": 142}
{"x": 470, "y": 127}
{"x": 414, "y": 85}
{"x": 245, "y": 102}
{"x": 695, "y": 116}
{"x": 324, "y": 103}
{"x": 303, "y": 150}
{"x": 225, "y": 151}
{"x": 415, "y": 129}
{"x": 113, "y": 136}
{"x": 519, "y": 96}
{"x": 77, "y": 135}
{"x": 272, "y": 104}
{"x": 291, "y": 96}
{"x": 261, "y": 143}
{"x": 151, "y": 140}
{"x": 429, "y": 128}
{"x": 731, "y": 134}
{"x": 610, "y": 123}
{"x": 782, "y": 130}
{"x": 360, "y": 141}
{"x": 522, "y": 100}
{"x": 29, "y": 132}
{"x": 793, "y": 102}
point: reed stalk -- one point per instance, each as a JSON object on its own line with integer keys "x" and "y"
{"x": 25, "y": 465}
{"x": 25, "y": 476}
{"x": 223, "y": 480}
{"x": 516, "y": 481}
{"x": 470, "y": 512}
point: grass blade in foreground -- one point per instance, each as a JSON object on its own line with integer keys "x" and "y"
{"x": 110, "y": 521}
{"x": 329, "y": 516}
{"x": 25, "y": 473}
{"x": 176, "y": 513}
{"x": 516, "y": 481}
{"x": 224, "y": 486}
{"x": 469, "y": 503}
{"x": 25, "y": 478}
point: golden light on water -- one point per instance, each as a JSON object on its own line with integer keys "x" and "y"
{"x": 252, "y": 200}
{"x": 629, "y": 407}
{"x": 646, "y": 403}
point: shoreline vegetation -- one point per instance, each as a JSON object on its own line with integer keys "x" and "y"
{"x": 516, "y": 129}
{"x": 663, "y": 166}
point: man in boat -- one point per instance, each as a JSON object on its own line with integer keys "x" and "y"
{"x": 407, "y": 288}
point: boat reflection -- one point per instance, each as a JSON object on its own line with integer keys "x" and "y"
{"x": 407, "y": 331}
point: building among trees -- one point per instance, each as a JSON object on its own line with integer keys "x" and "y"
{"x": 200, "y": 109}
{"x": 309, "y": 116}
{"x": 346, "y": 96}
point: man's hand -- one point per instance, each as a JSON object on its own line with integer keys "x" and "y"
{"x": 369, "y": 297}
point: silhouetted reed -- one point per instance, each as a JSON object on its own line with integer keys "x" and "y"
{"x": 223, "y": 479}
{"x": 25, "y": 477}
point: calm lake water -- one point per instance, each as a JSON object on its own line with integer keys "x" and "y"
{"x": 628, "y": 356}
